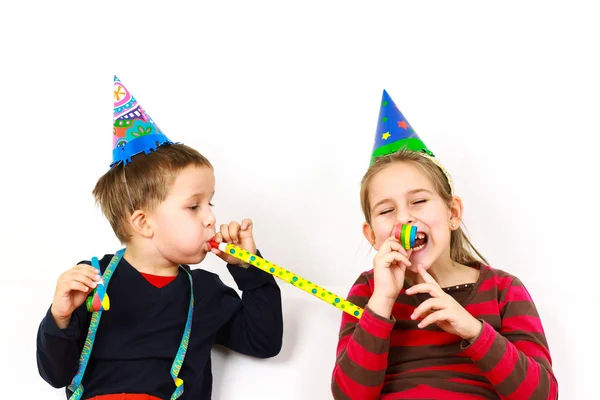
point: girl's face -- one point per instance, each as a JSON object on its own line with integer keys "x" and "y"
{"x": 402, "y": 194}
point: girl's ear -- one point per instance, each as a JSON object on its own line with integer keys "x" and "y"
{"x": 455, "y": 212}
{"x": 369, "y": 234}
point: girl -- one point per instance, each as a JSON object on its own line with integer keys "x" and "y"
{"x": 438, "y": 321}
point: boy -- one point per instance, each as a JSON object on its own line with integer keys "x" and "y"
{"x": 161, "y": 318}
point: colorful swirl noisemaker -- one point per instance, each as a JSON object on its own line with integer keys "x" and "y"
{"x": 98, "y": 300}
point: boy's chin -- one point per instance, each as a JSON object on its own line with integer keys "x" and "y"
{"x": 200, "y": 258}
{"x": 192, "y": 259}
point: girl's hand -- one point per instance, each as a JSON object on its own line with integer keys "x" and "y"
{"x": 389, "y": 266}
{"x": 443, "y": 310}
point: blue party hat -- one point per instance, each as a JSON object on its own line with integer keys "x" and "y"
{"x": 394, "y": 133}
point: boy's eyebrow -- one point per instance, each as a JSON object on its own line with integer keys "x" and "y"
{"x": 201, "y": 194}
{"x": 414, "y": 191}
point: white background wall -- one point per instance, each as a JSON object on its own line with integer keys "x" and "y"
{"x": 283, "y": 98}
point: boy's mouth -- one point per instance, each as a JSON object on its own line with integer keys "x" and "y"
{"x": 212, "y": 244}
{"x": 420, "y": 241}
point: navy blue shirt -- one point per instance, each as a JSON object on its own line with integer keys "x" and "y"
{"x": 139, "y": 336}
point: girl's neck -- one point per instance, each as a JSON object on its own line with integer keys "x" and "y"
{"x": 446, "y": 273}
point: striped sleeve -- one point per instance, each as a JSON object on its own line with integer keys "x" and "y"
{"x": 516, "y": 359}
{"x": 362, "y": 349}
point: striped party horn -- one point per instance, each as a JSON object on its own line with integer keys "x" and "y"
{"x": 98, "y": 300}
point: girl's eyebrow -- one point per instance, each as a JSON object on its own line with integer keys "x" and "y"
{"x": 414, "y": 191}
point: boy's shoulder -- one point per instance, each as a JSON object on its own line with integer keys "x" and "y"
{"x": 205, "y": 282}
{"x": 205, "y": 279}
{"x": 198, "y": 274}
{"x": 201, "y": 274}
{"x": 104, "y": 261}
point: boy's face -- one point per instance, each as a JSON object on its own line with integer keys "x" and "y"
{"x": 184, "y": 221}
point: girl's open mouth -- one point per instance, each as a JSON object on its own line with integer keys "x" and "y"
{"x": 420, "y": 241}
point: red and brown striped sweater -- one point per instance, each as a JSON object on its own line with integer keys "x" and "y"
{"x": 379, "y": 358}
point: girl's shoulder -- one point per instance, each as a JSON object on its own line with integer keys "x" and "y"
{"x": 365, "y": 277}
{"x": 491, "y": 278}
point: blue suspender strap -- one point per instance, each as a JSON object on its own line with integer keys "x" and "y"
{"x": 77, "y": 388}
{"x": 183, "y": 346}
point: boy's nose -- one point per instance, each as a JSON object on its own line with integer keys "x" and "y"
{"x": 210, "y": 220}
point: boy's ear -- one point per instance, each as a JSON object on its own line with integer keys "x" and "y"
{"x": 139, "y": 223}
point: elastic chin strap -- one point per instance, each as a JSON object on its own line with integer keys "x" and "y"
{"x": 127, "y": 190}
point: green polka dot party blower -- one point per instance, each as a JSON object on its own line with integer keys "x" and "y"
{"x": 406, "y": 235}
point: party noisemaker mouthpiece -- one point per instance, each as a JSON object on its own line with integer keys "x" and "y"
{"x": 406, "y": 235}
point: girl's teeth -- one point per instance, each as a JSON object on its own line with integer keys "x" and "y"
{"x": 418, "y": 247}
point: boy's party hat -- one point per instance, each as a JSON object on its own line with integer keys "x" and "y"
{"x": 134, "y": 131}
{"x": 394, "y": 133}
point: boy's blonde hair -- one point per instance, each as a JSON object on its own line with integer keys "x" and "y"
{"x": 142, "y": 184}
{"x": 461, "y": 248}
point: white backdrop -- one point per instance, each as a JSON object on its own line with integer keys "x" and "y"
{"x": 283, "y": 98}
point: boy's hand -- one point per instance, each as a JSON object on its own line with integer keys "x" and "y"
{"x": 240, "y": 235}
{"x": 72, "y": 288}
